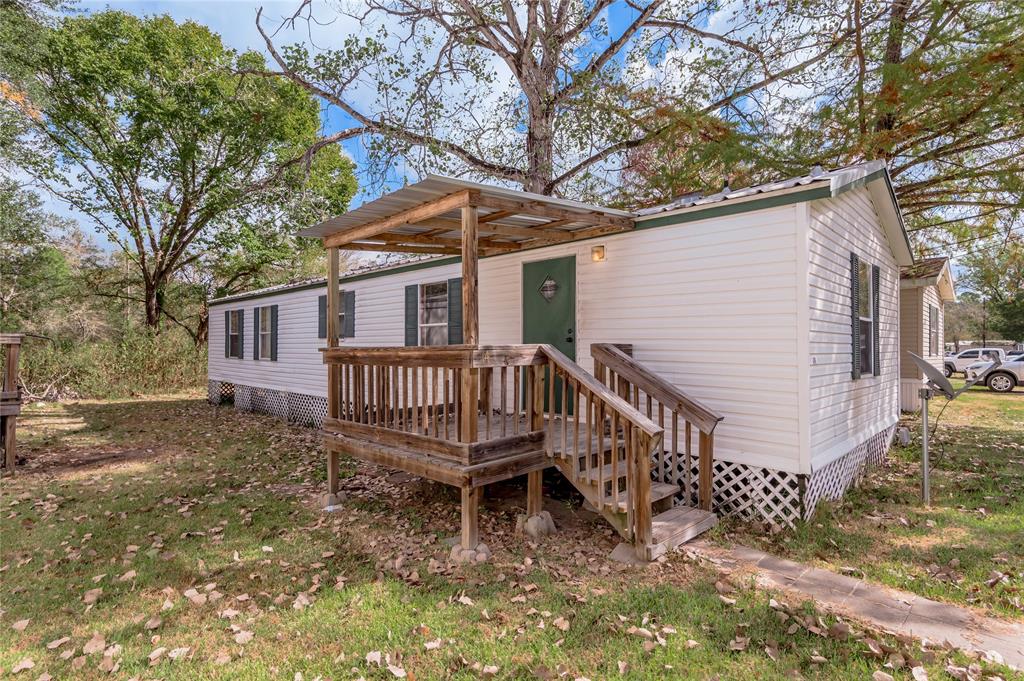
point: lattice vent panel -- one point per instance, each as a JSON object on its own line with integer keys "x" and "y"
{"x": 832, "y": 481}
{"x": 220, "y": 392}
{"x": 243, "y": 397}
{"x": 744, "y": 491}
{"x": 265, "y": 401}
{"x": 307, "y": 410}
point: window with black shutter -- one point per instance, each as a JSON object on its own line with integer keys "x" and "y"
{"x": 864, "y": 285}
{"x": 233, "y": 331}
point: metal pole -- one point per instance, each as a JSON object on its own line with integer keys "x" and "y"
{"x": 926, "y": 492}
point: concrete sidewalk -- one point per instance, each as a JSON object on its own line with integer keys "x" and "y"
{"x": 888, "y": 609}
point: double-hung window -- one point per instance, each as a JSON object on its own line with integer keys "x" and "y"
{"x": 234, "y": 332}
{"x": 933, "y": 330}
{"x": 864, "y": 283}
{"x": 266, "y": 331}
{"x": 433, "y": 316}
{"x": 866, "y": 318}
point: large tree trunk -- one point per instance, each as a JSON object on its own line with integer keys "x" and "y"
{"x": 888, "y": 102}
{"x": 202, "y": 335}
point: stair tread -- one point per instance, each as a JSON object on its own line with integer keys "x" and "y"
{"x": 659, "y": 491}
{"x": 680, "y": 523}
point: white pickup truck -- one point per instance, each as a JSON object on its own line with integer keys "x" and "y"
{"x": 958, "y": 363}
{"x": 1001, "y": 379}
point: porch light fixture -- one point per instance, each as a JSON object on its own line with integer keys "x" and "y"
{"x": 597, "y": 253}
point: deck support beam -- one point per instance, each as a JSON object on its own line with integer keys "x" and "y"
{"x": 470, "y": 536}
{"x": 534, "y": 493}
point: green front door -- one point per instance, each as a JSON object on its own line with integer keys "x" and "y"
{"x": 549, "y": 308}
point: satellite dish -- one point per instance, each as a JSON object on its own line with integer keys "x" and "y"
{"x": 938, "y": 382}
{"x": 936, "y": 378}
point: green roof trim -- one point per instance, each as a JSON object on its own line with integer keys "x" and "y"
{"x": 810, "y": 192}
{"x": 717, "y": 210}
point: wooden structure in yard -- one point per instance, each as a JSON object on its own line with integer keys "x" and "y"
{"x": 10, "y": 398}
{"x": 472, "y": 414}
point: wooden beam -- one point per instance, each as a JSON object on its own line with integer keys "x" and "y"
{"x": 535, "y": 493}
{"x": 470, "y": 308}
{"x": 470, "y": 514}
{"x": 496, "y": 215}
{"x": 428, "y": 239}
{"x": 442, "y": 226}
{"x": 412, "y": 215}
{"x": 595, "y": 217}
{"x": 399, "y": 248}
{"x": 470, "y": 382}
{"x": 333, "y": 371}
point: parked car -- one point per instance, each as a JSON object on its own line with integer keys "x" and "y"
{"x": 1003, "y": 378}
{"x": 959, "y": 362}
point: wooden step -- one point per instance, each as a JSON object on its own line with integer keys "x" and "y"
{"x": 659, "y": 491}
{"x": 678, "y": 526}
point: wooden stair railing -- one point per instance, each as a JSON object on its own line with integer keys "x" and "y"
{"x": 664, "y": 403}
{"x": 604, "y": 445}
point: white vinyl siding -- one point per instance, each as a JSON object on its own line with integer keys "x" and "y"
{"x": 727, "y": 308}
{"x": 845, "y": 412}
{"x": 915, "y": 303}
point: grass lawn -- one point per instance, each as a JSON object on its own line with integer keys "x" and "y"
{"x": 165, "y": 538}
{"x": 968, "y": 548}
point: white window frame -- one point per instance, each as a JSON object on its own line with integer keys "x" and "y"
{"x": 865, "y": 284}
{"x": 234, "y": 338}
{"x": 933, "y": 330}
{"x": 266, "y": 332}
{"x": 422, "y": 326}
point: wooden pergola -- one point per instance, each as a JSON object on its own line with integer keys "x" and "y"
{"x": 445, "y": 217}
{"x": 469, "y": 415}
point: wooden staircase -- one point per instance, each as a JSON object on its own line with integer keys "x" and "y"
{"x": 616, "y": 455}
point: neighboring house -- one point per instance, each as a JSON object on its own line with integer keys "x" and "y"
{"x": 777, "y": 306}
{"x": 925, "y": 288}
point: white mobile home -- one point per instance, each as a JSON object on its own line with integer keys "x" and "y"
{"x": 925, "y": 288}
{"x": 775, "y": 307}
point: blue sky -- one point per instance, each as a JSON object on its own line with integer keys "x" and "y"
{"x": 235, "y": 21}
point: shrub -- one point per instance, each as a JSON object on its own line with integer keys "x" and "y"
{"x": 134, "y": 362}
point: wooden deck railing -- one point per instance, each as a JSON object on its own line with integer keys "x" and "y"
{"x": 665, "y": 404}
{"x": 475, "y": 404}
{"x": 606, "y": 442}
{"x": 456, "y": 401}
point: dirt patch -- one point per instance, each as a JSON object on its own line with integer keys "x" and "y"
{"x": 56, "y": 462}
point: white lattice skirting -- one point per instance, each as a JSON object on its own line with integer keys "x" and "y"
{"x": 781, "y": 497}
{"x": 305, "y": 410}
{"x": 739, "y": 490}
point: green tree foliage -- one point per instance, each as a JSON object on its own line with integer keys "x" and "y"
{"x": 34, "y": 274}
{"x": 180, "y": 157}
{"x": 933, "y": 88}
{"x": 994, "y": 273}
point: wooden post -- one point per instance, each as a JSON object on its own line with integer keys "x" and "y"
{"x": 470, "y": 392}
{"x": 705, "y": 462}
{"x": 333, "y": 370}
{"x": 534, "y": 492}
{"x": 9, "y": 384}
{"x": 470, "y": 514}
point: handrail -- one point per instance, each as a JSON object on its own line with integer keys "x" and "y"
{"x": 705, "y": 418}
{"x": 600, "y": 390}
{"x": 449, "y": 356}
{"x": 630, "y": 457}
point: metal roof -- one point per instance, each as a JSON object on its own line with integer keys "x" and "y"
{"x": 835, "y": 178}
{"x": 435, "y": 187}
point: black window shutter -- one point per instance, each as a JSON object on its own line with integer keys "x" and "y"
{"x": 350, "y": 315}
{"x": 321, "y": 323}
{"x": 876, "y": 356}
{"x": 256, "y": 333}
{"x": 455, "y": 311}
{"x": 855, "y": 301}
{"x": 227, "y": 333}
{"x": 273, "y": 333}
{"x": 241, "y": 334}
{"x": 411, "y": 313}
